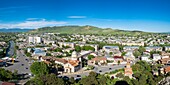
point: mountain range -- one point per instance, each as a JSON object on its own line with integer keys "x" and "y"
{"x": 84, "y": 30}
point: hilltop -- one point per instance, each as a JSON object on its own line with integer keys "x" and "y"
{"x": 83, "y": 30}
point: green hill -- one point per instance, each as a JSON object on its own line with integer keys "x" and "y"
{"x": 83, "y": 30}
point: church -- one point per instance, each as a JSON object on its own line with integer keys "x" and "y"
{"x": 73, "y": 64}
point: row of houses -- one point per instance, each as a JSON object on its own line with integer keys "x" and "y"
{"x": 126, "y": 48}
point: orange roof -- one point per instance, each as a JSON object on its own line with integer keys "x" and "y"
{"x": 164, "y": 60}
{"x": 47, "y": 62}
{"x": 73, "y": 62}
{"x": 98, "y": 59}
{"x": 167, "y": 69}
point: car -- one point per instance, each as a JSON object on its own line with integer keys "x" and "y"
{"x": 22, "y": 64}
{"x": 26, "y": 68}
{"x": 78, "y": 75}
{"x": 100, "y": 71}
{"x": 110, "y": 68}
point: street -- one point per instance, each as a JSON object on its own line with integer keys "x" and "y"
{"x": 21, "y": 64}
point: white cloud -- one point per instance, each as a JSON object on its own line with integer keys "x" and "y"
{"x": 35, "y": 19}
{"x": 32, "y": 24}
{"x": 77, "y": 17}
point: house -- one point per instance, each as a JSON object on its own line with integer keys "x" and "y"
{"x": 110, "y": 48}
{"x": 153, "y": 48}
{"x": 129, "y": 56}
{"x": 167, "y": 69}
{"x": 156, "y": 57}
{"x": 133, "y": 44}
{"x": 34, "y": 40}
{"x": 165, "y": 61}
{"x": 165, "y": 55}
{"x": 128, "y": 70}
{"x": 145, "y": 58}
{"x": 99, "y": 60}
{"x": 70, "y": 44}
{"x": 118, "y": 59}
{"x": 167, "y": 48}
{"x": 130, "y": 48}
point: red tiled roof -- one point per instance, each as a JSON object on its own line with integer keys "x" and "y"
{"x": 118, "y": 57}
{"x": 167, "y": 69}
{"x": 73, "y": 62}
{"x": 99, "y": 59}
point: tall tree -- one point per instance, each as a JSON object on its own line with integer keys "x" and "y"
{"x": 39, "y": 68}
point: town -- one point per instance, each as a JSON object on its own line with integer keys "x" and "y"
{"x": 77, "y": 55}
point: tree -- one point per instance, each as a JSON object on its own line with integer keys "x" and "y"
{"x": 137, "y": 75}
{"x": 118, "y": 62}
{"x": 119, "y": 75}
{"x": 123, "y": 54}
{"x": 142, "y": 49}
{"x": 58, "y": 50}
{"x": 77, "y": 48}
{"x": 49, "y": 79}
{"x": 39, "y": 68}
{"x": 136, "y": 54}
{"x": 111, "y": 53}
{"x": 5, "y": 75}
{"x": 90, "y": 57}
{"x": 87, "y": 48}
{"x": 71, "y": 80}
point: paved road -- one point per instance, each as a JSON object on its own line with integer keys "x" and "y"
{"x": 22, "y": 64}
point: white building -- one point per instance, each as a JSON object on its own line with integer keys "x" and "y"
{"x": 145, "y": 58}
{"x": 156, "y": 57}
{"x": 34, "y": 40}
{"x": 110, "y": 48}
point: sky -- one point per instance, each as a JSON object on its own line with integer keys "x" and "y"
{"x": 143, "y": 15}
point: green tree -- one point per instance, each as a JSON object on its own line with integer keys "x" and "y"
{"x": 136, "y": 54}
{"x": 123, "y": 54}
{"x": 119, "y": 75}
{"x": 142, "y": 49}
{"x": 39, "y": 68}
{"x": 49, "y": 79}
{"x": 71, "y": 80}
{"x": 58, "y": 50}
{"x": 90, "y": 57}
{"x": 86, "y": 48}
{"x": 5, "y": 75}
{"x": 77, "y": 48}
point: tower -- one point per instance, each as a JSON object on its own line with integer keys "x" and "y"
{"x": 74, "y": 55}
{"x": 128, "y": 70}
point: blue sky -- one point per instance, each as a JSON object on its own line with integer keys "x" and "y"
{"x": 144, "y": 15}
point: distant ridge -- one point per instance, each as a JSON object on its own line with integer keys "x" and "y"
{"x": 84, "y": 30}
{"x": 14, "y": 30}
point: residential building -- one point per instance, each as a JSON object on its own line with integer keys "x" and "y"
{"x": 156, "y": 57}
{"x": 99, "y": 60}
{"x": 34, "y": 40}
